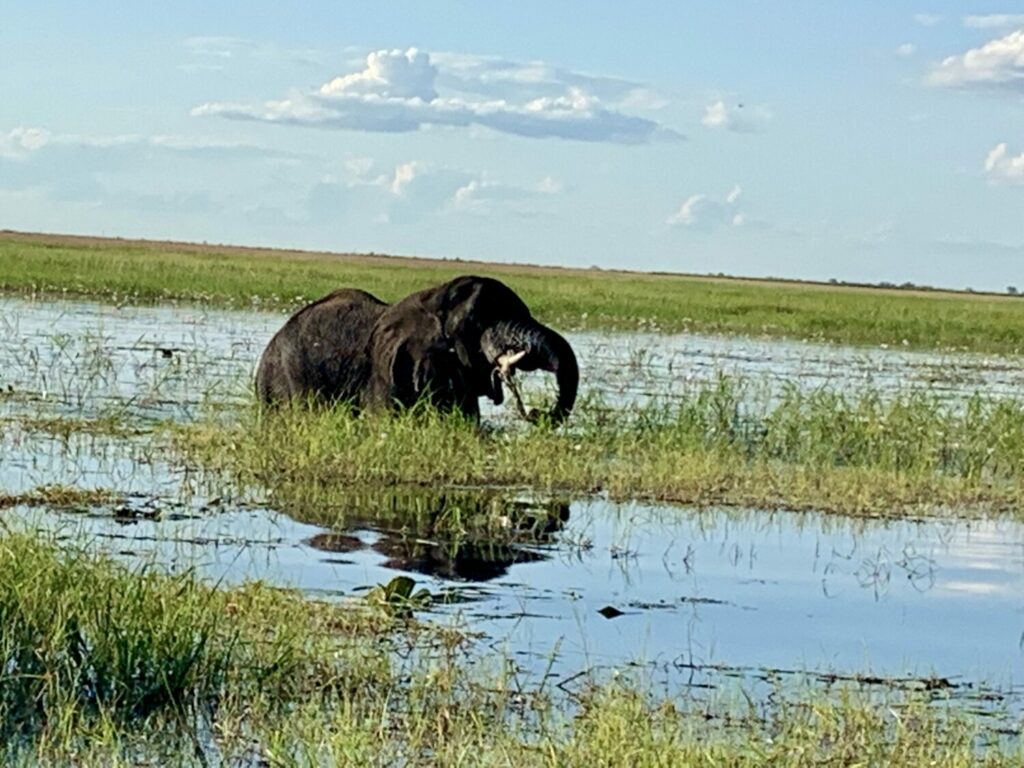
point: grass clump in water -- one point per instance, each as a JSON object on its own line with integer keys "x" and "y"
{"x": 855, "y": 453}
{"x": 59, "y": 497}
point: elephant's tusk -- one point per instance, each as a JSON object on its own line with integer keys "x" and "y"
{"x": 508, "y": 360}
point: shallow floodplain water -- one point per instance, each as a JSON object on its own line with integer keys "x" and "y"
{"x": 696, "y": 595}
{"x": 84, "y": 359}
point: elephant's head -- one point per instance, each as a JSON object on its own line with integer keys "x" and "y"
{"x": 493, "y": 334}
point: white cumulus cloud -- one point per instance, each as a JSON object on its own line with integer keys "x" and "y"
{"x": 997, "y": 64}
{"x": 1000, "y": 165}
{"x": 391, "y": 74}
{"x": 906, "y": 50}
{"x": 401, "y": 91}
{"x": 715, "y": 115}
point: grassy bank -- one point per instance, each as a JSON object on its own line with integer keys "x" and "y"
{"x": 857, "y": 454}
{"x": 109, "y": 666}
{"x": 571, "y": 299}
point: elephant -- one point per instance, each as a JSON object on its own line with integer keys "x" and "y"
{"x": 449, "y": 345}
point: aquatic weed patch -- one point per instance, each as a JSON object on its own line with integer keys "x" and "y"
{"x": 448, "y": 719}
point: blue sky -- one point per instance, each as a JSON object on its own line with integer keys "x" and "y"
{"x": 864, "y": 141}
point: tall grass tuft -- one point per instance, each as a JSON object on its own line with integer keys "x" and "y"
{"x": 88, "y": 644}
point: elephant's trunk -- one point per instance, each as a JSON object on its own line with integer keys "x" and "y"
{"x": 532, "y": 346}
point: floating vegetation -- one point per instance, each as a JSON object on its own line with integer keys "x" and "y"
{"x": 397, "y": 597}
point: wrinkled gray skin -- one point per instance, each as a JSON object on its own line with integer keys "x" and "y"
{"x": 450, "y": 344}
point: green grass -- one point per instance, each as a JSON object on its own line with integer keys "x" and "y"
{"x": 89, "y": 647}
{"x": 105, "y": 665}
{"x": 855, "y": 454}
{"x": 569, "y": 299}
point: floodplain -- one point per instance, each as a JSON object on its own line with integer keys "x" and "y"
{"x": 742, "y": 549}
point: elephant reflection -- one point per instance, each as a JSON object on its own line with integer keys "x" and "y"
{"x": 423, "y": 546}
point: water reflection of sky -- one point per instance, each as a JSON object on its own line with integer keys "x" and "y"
{"x": 741, "y": 589}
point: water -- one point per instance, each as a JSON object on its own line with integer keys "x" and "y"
{"x": 699, "y": 594}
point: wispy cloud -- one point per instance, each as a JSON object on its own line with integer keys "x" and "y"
{"x": 927, "y": 19}
{"x": 1001, "y": 166}
{"x": 687, "y": 213}
{"x": 906, "y": 50}
{"x": 995, "y": 21}
{"x": 976, "y": 248}
{"x": 998, "y": 64}
{"x": 210, "y": 53}
{"x": 416, "y": 188}
{"x": 519, "y": 81}
{"x": 399, "y": 91}
{"x": 738, "y": 117}
{"x": 20, "y": 143}
{"x": 129, "y": 171}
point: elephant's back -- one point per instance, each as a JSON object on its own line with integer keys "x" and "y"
{"x": 338, "y": 318}
{"x": 322, "y": 349}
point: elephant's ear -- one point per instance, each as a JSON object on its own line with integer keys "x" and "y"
{"x": 405, "y": 370}
{"x": 414, "y": 370}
